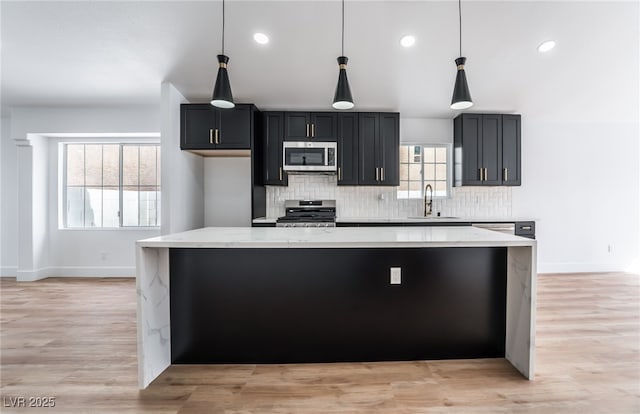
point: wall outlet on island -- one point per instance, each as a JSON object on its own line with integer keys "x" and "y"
{"x": 103, "y": 255}
{"x": 395, "y": 276}
{"x": 609, "y": 248}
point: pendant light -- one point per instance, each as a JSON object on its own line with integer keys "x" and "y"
{"x": 461, "y": 97}
{"x": 222, "y": 96}
{"x": 342, "y": 98}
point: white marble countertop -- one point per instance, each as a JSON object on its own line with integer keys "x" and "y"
{"x": 433, "y": 219}
{"x": 338, "y": 237}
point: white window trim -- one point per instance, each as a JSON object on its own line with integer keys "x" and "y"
{"x": 449, "y": 148}
{"x": 144, "y": 139}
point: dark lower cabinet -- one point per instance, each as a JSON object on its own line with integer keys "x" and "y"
{"x": 378, "y": 142}
{"x": 331, "y": 305}
{"x": 204, "y": 127}
{"x": 273, "y": 135}
{"x": 487, "y": 150}
{"x": 525, "y": 229}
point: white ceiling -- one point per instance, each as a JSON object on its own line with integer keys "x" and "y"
{"x": 103, "y": 53}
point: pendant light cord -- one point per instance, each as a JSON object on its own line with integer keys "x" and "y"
{"x": 223, "y": 27}
{"x": 460, "y": 24}
{"x": 342, "y": 27}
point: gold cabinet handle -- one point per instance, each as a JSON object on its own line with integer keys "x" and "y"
{"x": 307, "y": 130}
{"x": 210, "y": 136}
{"x": 339, "y": 174}
{"x": 485, "y": 173}
{"x": 280, "y": 173}
{"x": 481, "y": 174}
{"x": 217, "y": 136}
{"x": 313, "y": 130}
{"x": 381, "y": 173}
{"x": 506, "y": 174}
{"x": 526, "y": 227}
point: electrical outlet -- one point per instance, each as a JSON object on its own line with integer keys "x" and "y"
{"x": 609, "y": 248}
{"x": 103, "y": 255}
{"x": 395, "y": 276}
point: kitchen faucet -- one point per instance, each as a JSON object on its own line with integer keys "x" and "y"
{"x": 430, "y": 202}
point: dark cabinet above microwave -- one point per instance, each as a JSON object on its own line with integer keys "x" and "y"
{"x": 204, "y": 127}
{"x": 316, "y": 126}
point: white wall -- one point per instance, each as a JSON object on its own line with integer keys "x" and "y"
{"x": 227, "y": 191}
{"x": 8, "y": 201}
{"x": 50, "y": 251}
{"x": 182, "y": 172}
{"x": 582, "y": 182}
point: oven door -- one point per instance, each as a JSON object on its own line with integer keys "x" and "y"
{"x": 309, "y": 156}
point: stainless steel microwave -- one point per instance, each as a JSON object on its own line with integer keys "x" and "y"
{"x": 302, "y": 156}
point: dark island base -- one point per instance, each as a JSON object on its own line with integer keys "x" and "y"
{"x": 336, "y": 305}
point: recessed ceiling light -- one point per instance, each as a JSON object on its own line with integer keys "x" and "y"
{"x": 546, "y": 46}
{"x": 407, "y": 41}
{"x": 261, "y": 38}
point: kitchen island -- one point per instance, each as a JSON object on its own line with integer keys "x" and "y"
{"x": 278, "y": 295}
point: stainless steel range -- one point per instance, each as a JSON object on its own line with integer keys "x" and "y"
{"x": 308, "y": 213}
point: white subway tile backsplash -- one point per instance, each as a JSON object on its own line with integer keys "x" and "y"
{"x": 356, "y": 201}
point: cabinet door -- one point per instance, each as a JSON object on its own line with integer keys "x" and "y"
{"x": 324, "y": 126}
{"x": 197, "y": 123}
{"x": 492, "y": 149}
{"x": 273, "y": 124}
{"x": 469, "y": 148}
{"x": 511, "y": 150}
{"x": 389, "y": 143}
{"x": 347, "y": 139}
{"x": 297, "y": 126}
{"x": 234, "y": 127}
{"x": 368, "y": 133}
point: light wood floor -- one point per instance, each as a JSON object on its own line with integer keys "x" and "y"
{"x": 75, "y": 340}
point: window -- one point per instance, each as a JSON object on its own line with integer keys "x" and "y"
{"x": 111, "y": 185}
{"x": 421, "y": 165}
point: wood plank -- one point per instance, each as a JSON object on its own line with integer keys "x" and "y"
{"x": 75, "y": 339}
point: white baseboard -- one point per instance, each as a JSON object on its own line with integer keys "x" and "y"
{"x": 8, "y": 271}
{"x": 92, "y": 271}
{"x": 69, "y": 271}
{"x": 32, "y": 275}
{"x": 579, "y": 268}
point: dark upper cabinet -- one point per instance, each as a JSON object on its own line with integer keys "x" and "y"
{"x": 347, "y": 139}
{"x": 378, "y": 145}
{"x": 319, "y": 126}
{"x": 487, "y": 149}
{"x": 390, "y": 147}
{"x": 204, "y": 127}
{"x": 511, "y": 150}
{"x": 273, "y": 134}
{"x": 492, "y": 149}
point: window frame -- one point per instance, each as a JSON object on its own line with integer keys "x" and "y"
{"x": 449, "y": 166}
{"x": 62, "y": 180}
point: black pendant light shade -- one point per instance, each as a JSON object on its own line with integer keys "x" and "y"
{"x": 461, "y": 97}
{"x": 222, "y": 96}
{"x": 342, "y": 98}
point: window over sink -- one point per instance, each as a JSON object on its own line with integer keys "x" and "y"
{"x": 422, "y": 164}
